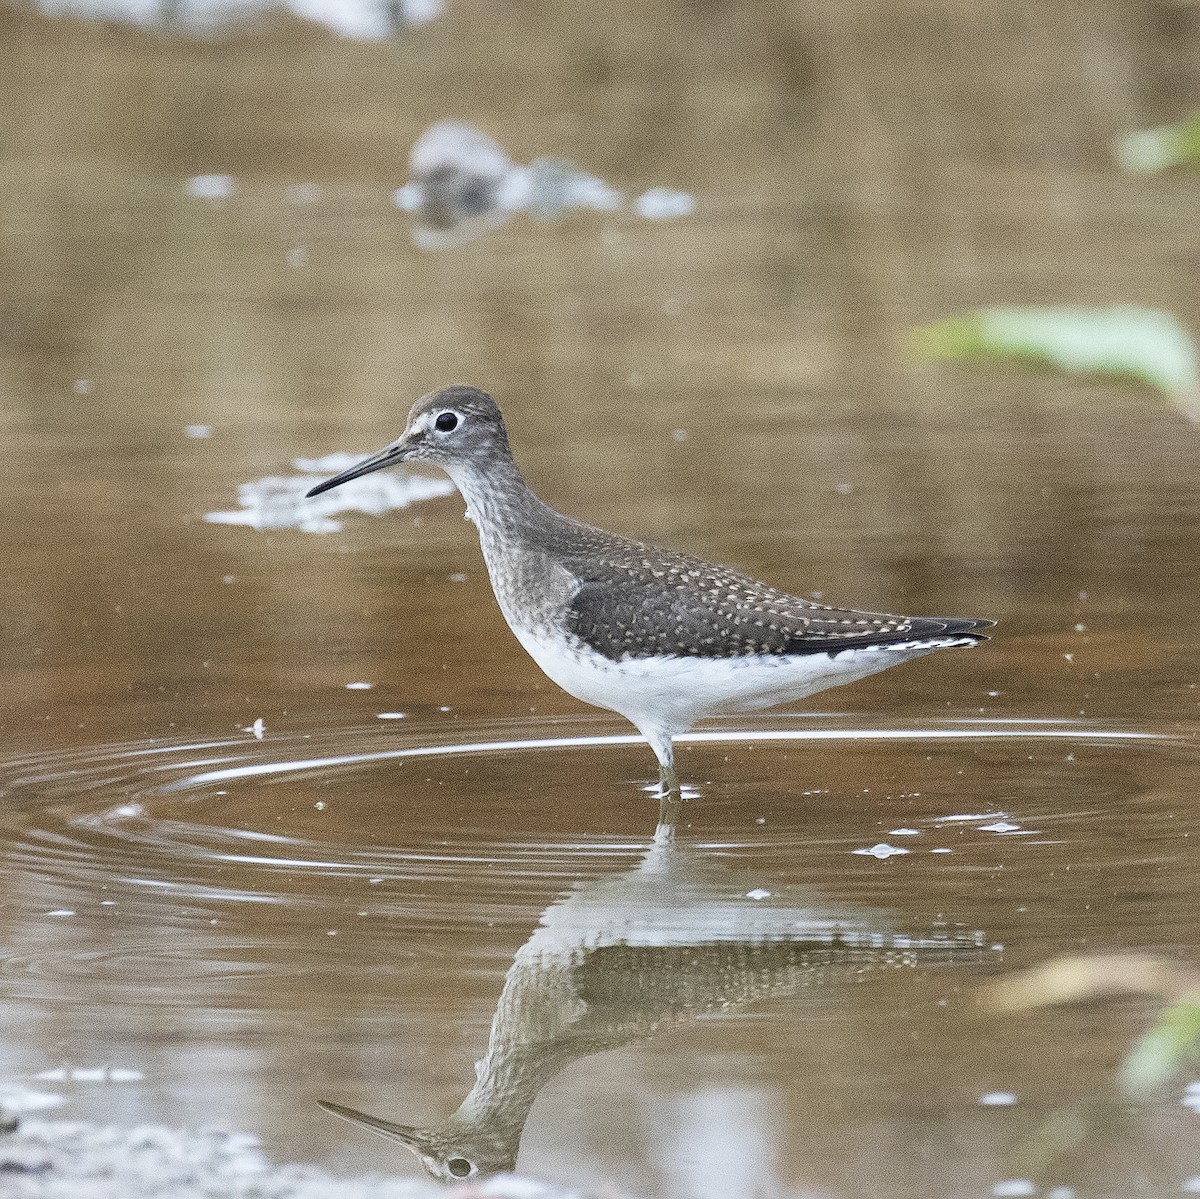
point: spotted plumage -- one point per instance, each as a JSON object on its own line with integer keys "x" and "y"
{"x": 661, "y": 637}
{"x": 637, "y": 601}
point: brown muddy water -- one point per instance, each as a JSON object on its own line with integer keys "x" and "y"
{"x": 240, "y": 926}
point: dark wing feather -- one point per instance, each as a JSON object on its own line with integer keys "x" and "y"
{"x": 643, "y": 602}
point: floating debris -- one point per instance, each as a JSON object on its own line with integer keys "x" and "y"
{"x": 1144, "y": 345}
{"x": 278, "y": 502}
{"x": 997, "y": 1099}
{"x": 257, "y": 729}
{"x": 362, "y": 20}
{"x": 455, "y": 195}
{"x": 1148, "y": 151}
{"x": 464, "y": 184}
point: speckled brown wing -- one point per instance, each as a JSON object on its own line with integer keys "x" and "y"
{"x": 642, "y": 602}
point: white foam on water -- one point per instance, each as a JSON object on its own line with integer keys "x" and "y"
{"x": 664, "y": 204}
{"x": 463, "y": 184}
{"x": 362, "y": 20}
{"x": 18, "y": 1100}
{"x": 211, "y": 187}
{"x": 1014, "y": 1188}
{"x": 86, "y": 1160}
{"x": 882, "y": 851}
{"x": 279, "y": 502}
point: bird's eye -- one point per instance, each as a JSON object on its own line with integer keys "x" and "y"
{"x": 459, "y": 1167}
{"x": 444, "y": 423}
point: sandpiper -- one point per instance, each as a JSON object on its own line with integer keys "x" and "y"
{"x": 663, "y": 638}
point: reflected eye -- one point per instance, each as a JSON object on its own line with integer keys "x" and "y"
{"x": 459, "y": 1166}
{"x": 446, "y": 421}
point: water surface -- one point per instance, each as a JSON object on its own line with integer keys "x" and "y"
{"x": 341, "y": 908}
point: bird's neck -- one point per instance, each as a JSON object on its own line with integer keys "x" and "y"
{"x": 498, "y": 1105}
{"x": 499, "y": 501}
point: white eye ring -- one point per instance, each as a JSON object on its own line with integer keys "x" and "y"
{"x": 446, "y": 422}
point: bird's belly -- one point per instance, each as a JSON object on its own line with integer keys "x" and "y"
{"x": 675, "y": 692}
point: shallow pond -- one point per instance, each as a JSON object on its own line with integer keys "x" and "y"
{"x": 287, "y": 814}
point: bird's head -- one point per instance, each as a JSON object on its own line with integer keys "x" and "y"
{"x": 460, "y": 1149}
{"x": 451, "y": 428}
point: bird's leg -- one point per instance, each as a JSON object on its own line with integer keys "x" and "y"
{"x": 668, "y": 793}
{"x": 662, "y": 742}
{"x": 668, "y": 780}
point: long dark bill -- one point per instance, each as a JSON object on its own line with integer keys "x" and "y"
{"x": 414, "y": 1138}
{"x": 388, "y": 456}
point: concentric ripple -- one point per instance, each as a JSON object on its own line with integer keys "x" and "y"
{"x": 341, "y": 801}
{"x": 460, "y": 834}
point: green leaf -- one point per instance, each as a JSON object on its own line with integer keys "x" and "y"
{"x": 1151, "y": 150}
{"x": 1145, "y": 345}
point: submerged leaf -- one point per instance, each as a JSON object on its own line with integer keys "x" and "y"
{"x": 1088, "y": 977}
{"x": 1161, "y": 1052}
{"x": 1145, "y": 345}
{"x": 1150, "y": 150}
{"x": 1164, "y": 1050}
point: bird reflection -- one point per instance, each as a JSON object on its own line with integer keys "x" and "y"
{"x": 618, "y": 960}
